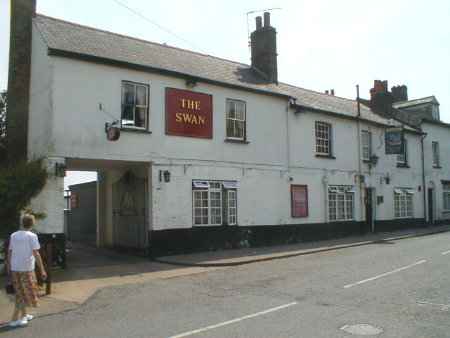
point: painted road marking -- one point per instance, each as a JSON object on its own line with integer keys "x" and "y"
{"x": 385, "y": 274}
{"x": 211, "y": 327}
{"x": 444, "y": 307}
{"x": 446, "y": 252}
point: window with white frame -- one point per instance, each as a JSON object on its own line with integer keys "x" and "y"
{"x": 366, "y": 144}
{"x": 403, "y": 202}
{"x": 323, "y": 138}
{"x": 236, "y": 119}
{"x": 214, "y": 202}
{"x": 341, "y": 200}
{"x": 446, "y": 196}
{"x": 402, "y": 159}
{"x": 134, "y": 105}
{"x": 435, "y": 147}
{"x": 232, "y": 207}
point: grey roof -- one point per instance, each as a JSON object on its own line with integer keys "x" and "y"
{"x": 416, "y": 102}
{"x": 68, "y": 37}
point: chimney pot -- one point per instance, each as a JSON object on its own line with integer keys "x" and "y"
{"x": 258, "y": 22}
{"x": 266, "y": 19}
{"x": 327, "y": 92}
{"x": 332, "y": 92}
{"x": 263, "y": 42}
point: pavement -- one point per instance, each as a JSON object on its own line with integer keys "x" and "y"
{"x": 92, "y": 270}
{"x": 235, "y": 257}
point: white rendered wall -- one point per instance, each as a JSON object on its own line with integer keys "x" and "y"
{"x": 41, "y": 93}
{"x": 433, "y": 175}
{"x": 265, "y": 167}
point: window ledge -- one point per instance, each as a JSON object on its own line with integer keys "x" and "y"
{"x": 326, "y": 156}
{"x": 437, "y": 167}
{"x": 136, "y": 130}
{"x": 400, "y": 165}
{"x": 231, "y": 140}
{"x": 367, "y": 161}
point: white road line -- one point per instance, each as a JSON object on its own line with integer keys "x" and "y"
{"x": 211, "y": 327}
{"x": 444, "y": 307}
{"x": 446, "y": 252}
{"x": 385, "y": 274}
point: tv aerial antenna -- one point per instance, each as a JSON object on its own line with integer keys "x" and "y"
{"x": 257, "y": 11}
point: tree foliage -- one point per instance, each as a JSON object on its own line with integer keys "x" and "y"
{"x": 19, "y": 182}
{"x": 3, "y": 106}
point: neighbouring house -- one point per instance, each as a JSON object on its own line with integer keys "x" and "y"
{"x": 210, "y": 149}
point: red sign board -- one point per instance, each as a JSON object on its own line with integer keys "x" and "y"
{"x": 188, "y": 113}
{"x": 299, "y": 200}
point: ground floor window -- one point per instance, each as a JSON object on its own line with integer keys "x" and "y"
{"x": 446, "y": 196}
{"x": 403, "y": 202}
{"x": 214, "y": 202}
{"x": 341, "y": 203}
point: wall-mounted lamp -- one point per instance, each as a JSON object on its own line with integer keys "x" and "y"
{"x": 164, "y": 175}
{"x": 191, "y": 82}
{"x": 60, "y": 170}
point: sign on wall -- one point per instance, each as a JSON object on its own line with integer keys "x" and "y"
{"x": 188, "y": 113}
{"x": 393, "y": 140}
{"x": 299, "y": 200}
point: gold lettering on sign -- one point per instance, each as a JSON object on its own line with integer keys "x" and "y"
{"x": 190, "y": 104}
{"x": 189, "y": 118}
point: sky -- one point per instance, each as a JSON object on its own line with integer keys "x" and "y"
{"x": 322, "y": 44}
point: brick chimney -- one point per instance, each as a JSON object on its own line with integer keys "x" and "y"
{"x": 264, "y": 49}
{"x": 22, "y": 13}
{"x": 380, "y": 98}
{"x": 400, "y": 93}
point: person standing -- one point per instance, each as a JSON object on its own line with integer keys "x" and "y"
{"x": 22, "y": 254}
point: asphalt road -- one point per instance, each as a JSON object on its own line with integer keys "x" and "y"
{"x": 400, "y": 287}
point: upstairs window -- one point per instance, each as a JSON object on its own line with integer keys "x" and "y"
{"x": 323, "y": 138}
{"x": 236, "y": 120}
{"x": 366, "y": 144}
{"x": 435, "y": 147}
{"x": 402, "y": 159}
{"x": 134, "y": 105}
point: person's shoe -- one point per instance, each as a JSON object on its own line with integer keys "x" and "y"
{"x": 28, "y": 317}
{"x": 18, "y": 323}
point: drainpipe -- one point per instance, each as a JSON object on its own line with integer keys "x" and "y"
{"x": 423, "y": 179}
{"x": 361, "y": 200}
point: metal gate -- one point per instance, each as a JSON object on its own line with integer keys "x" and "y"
{"x": 130, "y": 212}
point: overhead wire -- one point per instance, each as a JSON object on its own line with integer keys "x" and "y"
{"x": 154, "y": 23}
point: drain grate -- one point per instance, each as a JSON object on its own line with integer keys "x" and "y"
{"x": 362, "y": 329}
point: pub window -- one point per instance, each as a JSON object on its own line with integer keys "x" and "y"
{"x": 299, "y": 201}
{"x": 214, "y": 202}
{"x": 366, "y": 144}
{"x": 236, "y": 119}
{"x": 402, "y": 159}
{"x": 134, "y": 105}
{"x": 403, "y": 202}
{"x": 446, "y": 196}
{"x": 323, "y": 138}
{"x": 435, "y": 147}
{"x": 341, "y": 203}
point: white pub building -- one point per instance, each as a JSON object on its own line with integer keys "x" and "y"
{"x": 210, "y": 150}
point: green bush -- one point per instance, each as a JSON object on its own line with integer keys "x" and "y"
{"x": 19, "y": 183}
